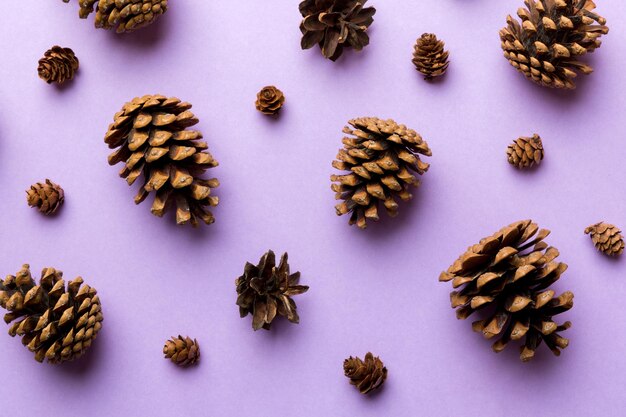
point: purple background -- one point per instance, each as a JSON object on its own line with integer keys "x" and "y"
{"x": 375, "y": 290}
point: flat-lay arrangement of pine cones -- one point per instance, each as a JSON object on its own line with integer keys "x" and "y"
{"x": 122, "y": 15}
{"x": 57, "y": 65}
{"x": 607, "y": 238}
{"x": 366, "y": 375}
{"x": 269, "y": 100}
{"x": 46, "y": 197}
{"x": 183, "y": 351}
{"x": 430, "y": 57}
{"x": 525, "y": 152}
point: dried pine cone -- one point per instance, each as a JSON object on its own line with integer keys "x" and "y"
{"x": 46, "y": 197}
{"x": 525, "y": 152}
{"x": 269, "y": 100}
{"x": 182, "y": 350}
{"x": 265, "y": 291}
{"x": 429, "y": 57}
{"x": 553, "y": 34}
{"x": 335, "y": 24}
{"x": 58, "y": 325}
{"x": 151, "y": 135}
{"x": 507, "y": 275}
{"x": 383, "y": 158}
{"x": 607, "y": 238}
{"x": 122, "y": 15}
{"x": 57, "y": 65}
{"x": 366, "y": 375}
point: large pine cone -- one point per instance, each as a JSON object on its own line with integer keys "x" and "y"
{"x": 508, "y": 275}
{"x": 366, "y": 375}
{"x": 47, "y": 198}
{"x": 57, "y": 324}
{"x": 335, "y": 24}
{"x": 607, "y": 238}
{"x": 151, "y": 135}
{"x": 429, "y": 56}
{"x": 525, "y": 152}
{"x": 57, "y": 65}
{"x": 183, "y": 351}
{"x": 264, "y": 291}
{"x": 553, "y": 34}
{"x": 384, "y": 161}
{"x": 122, "y": 15}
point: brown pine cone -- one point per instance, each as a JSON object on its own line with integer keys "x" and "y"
{"x": 47, "y": 198}
{"x": 525, "y": 152}
{"x": 182, "y": 350}
{"x": 57, "y": 65}
{"x": 607, "y": 238}
{"x": 366, "y": 375}
{"x": 122, "y": 15}
{"x": 429, "y": 56}
{"x": 55, "y": 323}
{"x": 269, "y": 100}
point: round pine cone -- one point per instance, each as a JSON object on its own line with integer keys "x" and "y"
{"x": 607, "y": 238}
{"x": 383, "y": 159}
{"x": 46, "y": 197}
{"x": 57, "y": 65}
{"x": 182, "y": 350}
{"x": 525, "y": 152}
{"x": 553, "y": 34}
{"x": 269, "y": 100}
{"x": 335, "y": 24}
{"x": 507, "y": 275}
{"x": 55, "y": 323}
{"x": 429, "y": 56}
{"x": 122, "y": 15}
{"x": 366, "y": 375}
{"x": 264, "y": 291}
{"x": 151, "y": 137}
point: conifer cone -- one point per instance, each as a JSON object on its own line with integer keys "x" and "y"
{"x": 366, "y": 375}
{"x": 525, "y": 152}
{"x": 122, "y": 15}
{"x": 152, "y": 139}
{"x": 334, "y": 25}
{"x": 269, "y": 100}
{"x": 182, "y": 350}
{"x": 607, "y": 238}
{"x": 47, "y": 198}
{"x": 507, "y": 276}
{"x": 57, "y": 65}
{"x": 57, "y": 323}
{"x": 264, "y": 291}
{"x": 429, "y": 56}
{"x": 383, "y": 158}
{"x": 546, "y": 47}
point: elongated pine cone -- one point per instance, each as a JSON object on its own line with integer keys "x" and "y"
{"x": 55, "y": 323}
{"x": 334, "y": 25}
{"x": 122, "y": 15}
{"x": 383, "y": 158}
{"x": 429, "y": 56}
{"x": 264, "y": 291}
{"x": 47, "y": 198}
{"x": 269, "y": 100}
{"x": 508, "y": 275}
{"x": 546, "y": 47}
{"x": 152, "y": 139}
{"x": 525, "y": 152}
{"x": 57, "y": 65}
{"x": 607, "y": 238}
{"x": 366, "y": 375}
{"x": 182, "y": 350}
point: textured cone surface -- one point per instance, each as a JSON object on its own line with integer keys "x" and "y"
{"x": 383, "y": 160}
{"x": 47, "y": 198}
{"x": 152, "y": 140}
{"x": 553, "y": 34}
{"x": 607, "y": 238}
{"x": 122, "y": 15}
{"x": 334, "y": 25}
{"x": 56, "y": 322}
{"x": 366, "y": 375}
{"x": 183, "y": 351}
{"x": 57, "y": 65}
{"x": 269, "y": 100}
{"x": 525, "y": 152}
{"x": 429, "y": 56}
{"x": 264, "y": 291}
{"x": 508, "y": 276}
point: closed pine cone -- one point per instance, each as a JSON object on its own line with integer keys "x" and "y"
{"x": 152, "y": 139}
{"x": 122, "y": 15}
{"x": 182, "y": 350}
{"x": 366, "y": 375}
{"x": 269, "y": 100}
{"x": 57, "y": 65}
{"x": 607, "y": 238}
{"x": 546, "y": 47}
{"x": 429, "y": 56}
{"x": 47, "y": 198}
{"x": 383, "y": 159}
{"x": 525, "y": 152}
{"x": 55, "y": 323}
{"x": 508, "y": 275}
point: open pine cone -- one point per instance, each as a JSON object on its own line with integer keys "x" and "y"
{"x": 122, "y": 15}
{"x": 183, "y": 351}
{"x": 57, "y": 65}
{"x": 269, "y": 100}
{"x": 607, "y": 238}
{"x": 366, "y": 375}
{"x": 525, "y": 152}
{"x": 47, "y": 198}
{"x": 429, "y": 56}
{"x": 507, "y": 276}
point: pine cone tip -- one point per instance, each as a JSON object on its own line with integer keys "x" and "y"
{"x": 366, "y": 375}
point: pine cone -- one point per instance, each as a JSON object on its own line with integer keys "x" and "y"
{"x": 366, "y": 375}
{"x": 269, "y": 100}
{"x": 182, "y": 350}
{"x": 152, "y": 140}
{"x": 122, "y": 15}
{"x": 607, "y": 238}
{"x": 430, "y": 58}
{"x": 265, "y": 291}
{"x": 46, "y": 197}
{"x": 335, "y": 24}
{"x": 56, "y": 324}
{"x": 552, "y": 36}
{"x": 525, "y": 152}
{"x": 508, "y": 275}
{"x": 57, "y": 65}
{"x": 383, "y": 158}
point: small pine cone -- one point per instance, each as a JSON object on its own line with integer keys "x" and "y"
{"x": 152, "y": 139}
{"x": 366, "y": 375}
{"x": 122, "y": 15}
{"x": 46, "y": 197}
{"x": 507, "y": 276}
{"x": 55, "y": 323}
{"x": 182, "y": 350}
{"x": 525, "y": 152}
{"x": 270, "y": 100}
{"x": 383, "y": 161}
{"x": 546, "y": 46}
{"x": 607, "y": 238}
{"x": 57, "y": 65}
{"x": 264, "y": 291}
{"x": 429, "y": 57}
